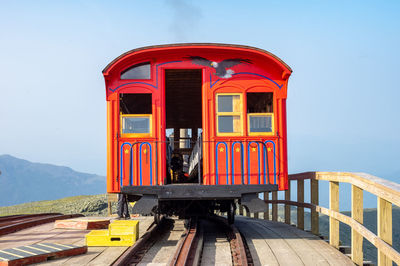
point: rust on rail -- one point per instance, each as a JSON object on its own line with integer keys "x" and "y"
{"x": 188, "y": 250}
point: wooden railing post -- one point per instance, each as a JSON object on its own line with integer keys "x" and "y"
{"x": 287, "y": 206}
{"x": 256, "y": 215}
{"x": 300, "y": 199}
{"x": 314, "y": 200}
{"x": 334, "y": 206}
{"x": 384, "y": 228}
{"x": 356, "y": 214}
{"x": 275, "y": 206}
{"x": 266, "y": 214}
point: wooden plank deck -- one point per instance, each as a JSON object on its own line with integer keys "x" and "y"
{"x": 275, "y": 243}
{"x": 270, "y": 243}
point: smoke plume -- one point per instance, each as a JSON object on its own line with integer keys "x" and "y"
{"x": 185, "y": 19}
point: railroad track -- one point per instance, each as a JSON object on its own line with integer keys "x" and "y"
{"x": 135, "y": 253}
{"x": 10, "y": 224}
{"x": 193, "y": 247}
{"x": 189, "y": 248}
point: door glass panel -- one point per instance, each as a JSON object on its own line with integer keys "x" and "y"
{"x": 136, "y": 114}
{"x": 137, "y": 124}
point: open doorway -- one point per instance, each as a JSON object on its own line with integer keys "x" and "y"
{"x": 184, "y": 121}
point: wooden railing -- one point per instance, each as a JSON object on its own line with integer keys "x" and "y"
{"x": 387, "y": 193}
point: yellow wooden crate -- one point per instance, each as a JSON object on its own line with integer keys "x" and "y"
{"x": 102, "y": 238}
{"x": 121, "y": 227}
{"x": 126, "y": 222}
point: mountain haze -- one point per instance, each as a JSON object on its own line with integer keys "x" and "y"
{"x": 23, "y": 181}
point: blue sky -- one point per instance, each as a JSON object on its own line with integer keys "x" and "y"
{"x": 343, "y": 109}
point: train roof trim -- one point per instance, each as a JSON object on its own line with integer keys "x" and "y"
{"x": 187, "y": 45}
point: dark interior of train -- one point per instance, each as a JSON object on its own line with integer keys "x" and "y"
{"x": 183, "y": 123}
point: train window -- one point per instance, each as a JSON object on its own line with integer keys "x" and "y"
{"x": 229, "y": 114}
{"x": 135, "y": 103}
{"x": 136, "y": 114}
{"x": 259, "y": 102}
{"x": 139, "y": 71}
{"x": 260, "y": 123}
{"x": 260, "y": 114}
{"x": 136, "y": 124}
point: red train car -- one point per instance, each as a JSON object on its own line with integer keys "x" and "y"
{"x": 196, "y": 126}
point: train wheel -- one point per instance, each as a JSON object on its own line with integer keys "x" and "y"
{"x": 157, "y": 218}
{"x": 156, "y": 215}
{"x": 231, "y": 213}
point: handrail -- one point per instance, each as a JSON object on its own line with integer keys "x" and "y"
{"x": 387, "y": 193}
{"x": 385, "y": 189}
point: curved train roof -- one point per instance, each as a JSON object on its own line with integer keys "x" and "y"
{"x": 188, "y": 45}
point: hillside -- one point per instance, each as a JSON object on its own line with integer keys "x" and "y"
{"x": 23, "y": 181}
{"x": 88, "y": 205}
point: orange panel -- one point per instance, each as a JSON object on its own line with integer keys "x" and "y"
{"x": 254, "y": 163}
{"x": 238, "y": 163}
{"x": 222, "y": 162}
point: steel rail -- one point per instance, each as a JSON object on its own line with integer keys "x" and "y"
{"x": 12, "y": 218}
{"x": 239, "y": 254}
{"x": 238, "y": 248}
{"x": 189, "y": 247}
{"x": 20, "y": 225}
{"x": 21, "y": 220}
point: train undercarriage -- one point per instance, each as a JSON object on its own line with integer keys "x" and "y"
{"x": 186, "y": 200}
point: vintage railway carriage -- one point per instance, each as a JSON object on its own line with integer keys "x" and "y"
{"x": 194, "y": 127}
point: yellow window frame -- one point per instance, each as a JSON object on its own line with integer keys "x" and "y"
{"x": 261, "y": 133}
{"x": 240, "y": 114}
{"x": 137, "y": 135}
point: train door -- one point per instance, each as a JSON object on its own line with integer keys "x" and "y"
{"x": 183, "y": 123}
{"x": 136, "y": 139}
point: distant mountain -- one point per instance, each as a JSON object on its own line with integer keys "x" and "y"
{"x": 23, "y": 181}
